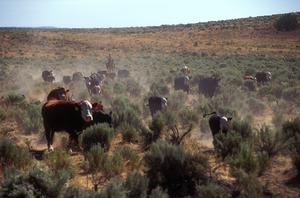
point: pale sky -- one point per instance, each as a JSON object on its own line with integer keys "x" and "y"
{"x": 128, "y": 13}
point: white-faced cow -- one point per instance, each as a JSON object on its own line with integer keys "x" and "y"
{"x": 156, "y": 103}
{"x": 218, "y": 123}
{"x": 48, "y": 76}
{"x": 72, "y": 117}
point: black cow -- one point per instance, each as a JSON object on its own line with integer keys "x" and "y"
{"x": 48, "y": 76}
{"x": 58, "y": 93}
{"x": 263, "y": 77}
{"x": 218, "y": 123}
{"x": 59, "y": 115}
{"x": 182, "y": 83}
{"x": 208, "y": 86}
{"x": 156, "y": 104}
{"x": 123, "y": 73}
{"x": 67, "y": 79}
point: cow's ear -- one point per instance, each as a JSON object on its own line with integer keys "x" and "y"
{"x": 166, "y": 98}
{"x": 229, "y": 118}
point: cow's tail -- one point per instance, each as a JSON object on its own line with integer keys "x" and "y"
{"x": 204, "y": 115}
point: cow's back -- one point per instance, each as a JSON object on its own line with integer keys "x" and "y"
{"x": 62, "y": 115}
{"x": 214, "y": 124}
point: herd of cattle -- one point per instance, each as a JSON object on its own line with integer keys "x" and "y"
{"x": 61, "y": 113}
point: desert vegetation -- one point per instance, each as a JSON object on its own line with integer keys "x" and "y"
{"x": 172, "y": 154}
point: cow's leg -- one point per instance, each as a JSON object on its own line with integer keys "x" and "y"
{"x": 49, "y": 137}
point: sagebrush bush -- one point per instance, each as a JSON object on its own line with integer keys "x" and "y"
{"x": 242, "y": 127}
{"x": 158, "y": 192}
{"x": 159, "y": 89}
{"x": 29, "y": 117}
{"x": 130, "y": 134}
{"x": 269, "y": 141}
{"x": 250, "y": 85}
{"x": 59, "y": 160}
{"x": 76, "y": 192}
{"x": 130, "y": 155}
{"x": 119, "y": 88}
{"x": 136, "y": 185}
{"x": 133, "y": 88}
{"x": 287, "y": 22}
{"x": 244, "y": 159}
{"x": 124, "y": 112}
{"x": 211, "y": 190}
{"x": 38, "y": 182}
{"x": 291, "y": 132}
{"x": 115, "y": 188}
{"x": 227, "y": 145}
{"x": 292, "y": 94}
{"x": 157, "y": 125}
{"x": 163, "y": 161}
{"x": 12, "y": 155}
{"x": 256, "y": 106}
{"x": 14, "y": 98}
{"x": 177, "y": 100}
{"x": 3, "y": 114}
{"x": 97, "y": 134}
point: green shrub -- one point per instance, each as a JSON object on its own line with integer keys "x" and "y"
{"x": 256, "y": 106}
{"x": 76, "y": 192}
{"x": 136, "y": 185}
{"x": 292, "y": 94}
{"x": 159, "y": 89}
{"x": 125, "y": 112}
{"x": 97, "y": 134}
{"x": 163, "y": 162}
{"x": 158, "y": 192}
{"x": 277, "y": 119}
{"x": 245, "y": 159}
{"x": 242, "y": 127}
{"x": 12, "y": 155}
{"x": 269, "y": 141}
{"x": 30, "y": 117}
{"x": 291, "y": 128}
{"x": 38, "y": 182}
{"x": 115, "y": 189}
{"x": 287, "y": 22}
{"x": 130, "y": 134}
{"x": 59, "y": 160}
{"x": 248, "y": 185}
{"x": 133, "y": 88}
{"x": 157, "y": 125}
{"x": 119, "y": 88}
{"x": 211, "y": 190}
{"x": 2, "y": 114}
{"x": 177, "y": 100}
{"x": 13, "y": 98}
{"x": 227, "y": 145}
{"x": 114, "y": 164}
{"x": 129, "y": 154}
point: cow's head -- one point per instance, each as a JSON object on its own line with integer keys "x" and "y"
{"x": 269, "y": 75}
{"x": 86, "y": 110}
{"x": 164, "y": 101}
{"x": 224, "y": 123}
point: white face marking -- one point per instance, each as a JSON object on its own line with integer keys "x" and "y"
{"x": 51, "y": 148}
{"x": 223, "y": 122}
{"x": 86, "y": 110}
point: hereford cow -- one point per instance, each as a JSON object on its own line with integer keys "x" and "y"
{"x": 48, "y": 76}
{"x": 58, "y": 93}
{"x": 93, "y": 85}
{"x": 208, "y": 86}
{"x": 218, "y": 123}
{"x": 71, "y": 117}
{"x": 263, "y": 77}
{"x": 182, "y": 83}
{"x": 67, "y": 79}
{"x": 123, "y": 73}
{"x": 156, "y": 104}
